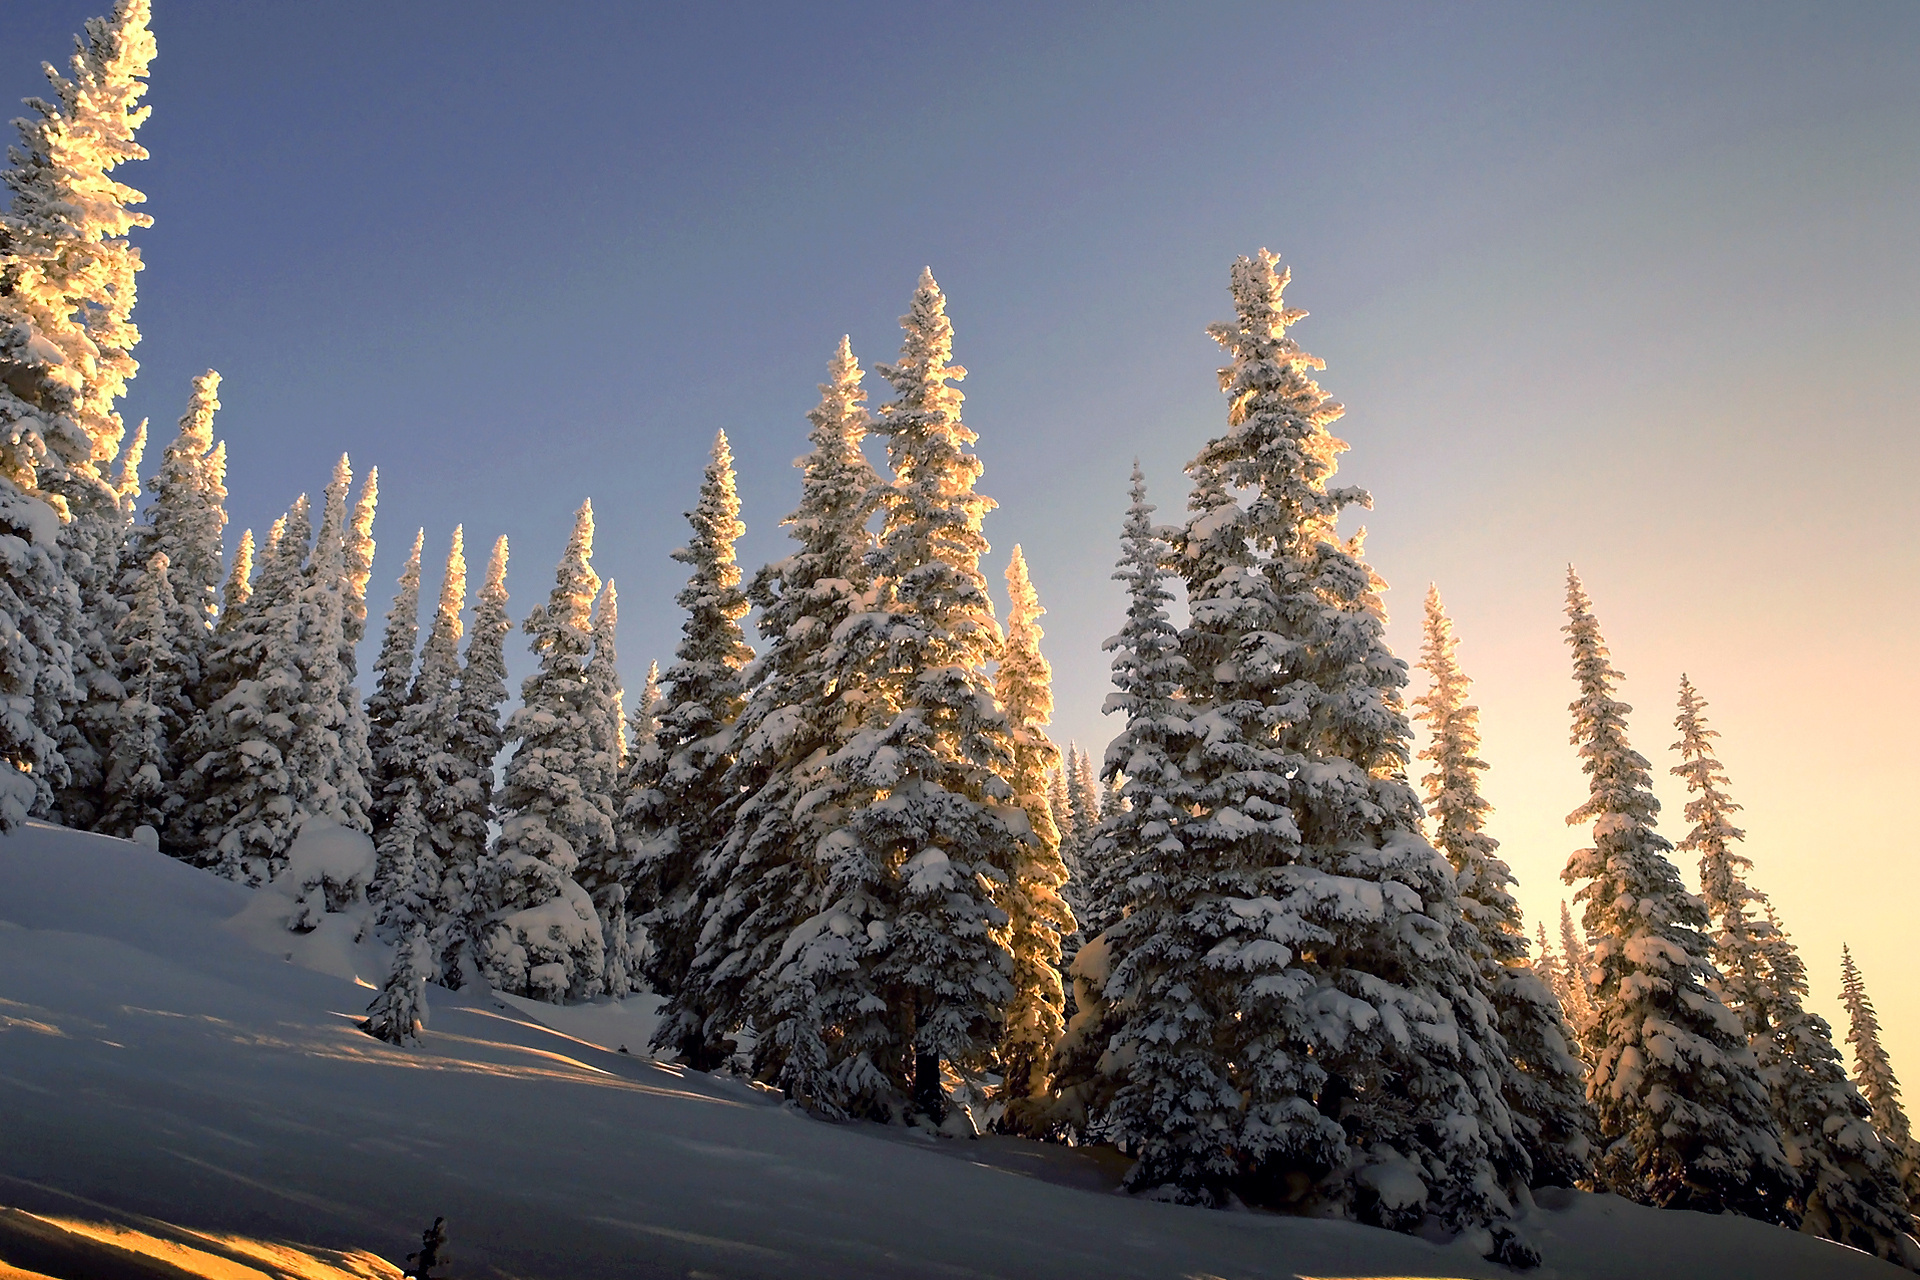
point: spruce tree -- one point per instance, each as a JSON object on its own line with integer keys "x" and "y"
{"x": 474, "y": 745}
{"x": 327, "y": 769}
{"x": 399, "y": 1013}
{"x": 602, "y": 867}
{"x": 237, "y": 590}
{"x": 932, "y": 832}
{"x": 679, "y": 804}
{"x": 356, "y": 747}
{"x": 1061, "y": 808}
{"x": 1039, "y": 917}
{"x": 1850, "y": 1181}
{"x": 1684, "y": 1117}
{"x": 643, "y": 725}
{"x": 1576, "y": 962}
{"x": 66, "y": 293}
{"x": 139, "y": 767}
{"x": 393, "y": 677}
{"x": 1083, "y": 796}
{"x": 184, "y": 520}
{"x": 769, "y": 953}
{"x": 252, "y": 799}
{"x": 1142, "y": 839}
{"x": 1543, "y": 1088}
{"x": 1289, "y": 1037}
{"x": 415, "y": 840}
{"x": 542, "y": 937}
{"x": 1873, "y": 1074}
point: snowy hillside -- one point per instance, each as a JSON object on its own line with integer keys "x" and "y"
{"x": 159, "y": 1056}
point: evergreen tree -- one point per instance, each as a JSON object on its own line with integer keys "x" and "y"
{"x": 1083, "y": 796}
{"x": 679, "y": 803}
{"x": 1873, "y": 1073}
{"x": 1576, "y": 962}
{"x": 1543, "y": 1088}
{"x": 184, "y": 521}
{"x": 1288, "y": 1036}
{"x": 356, "y": 747}
{"x": 66, "y": 294}
{"x": 1547, "y": 965}
{"x": 933, "y": 832}
{"x": 768, "y": 954}
{"x": 252, "y": 800}
{"x": 139, "y": 773}
{"x": 1039, "y": 918}
{"x": 1141, "y": 838}
{"x": 415, "y": 841}
{"x": 643, "y": 724}
{"x": 542, "y": 937}
{"x": 475, "y": 744}
{"x": 602, "y": 868}
{"x": 237, "y": 591}
{"x": 1850, "y": 1181}
{"x": 323, "y": 762}
{"x": 399, "y": 1013}
{"x": 393, "y": 677}
{"x": 1684, "y": 1117}
{"x": 1061, "y": 808}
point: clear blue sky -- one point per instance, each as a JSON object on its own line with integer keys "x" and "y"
{"x": 1631, "y": 286}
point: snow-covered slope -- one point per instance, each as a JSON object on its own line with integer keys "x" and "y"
{"x": 162, "y": 1057}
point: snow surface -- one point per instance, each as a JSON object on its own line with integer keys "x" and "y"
{"x": 167, "y": 1051}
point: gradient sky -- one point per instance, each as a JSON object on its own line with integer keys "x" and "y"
{"x": 1634, "y": 287}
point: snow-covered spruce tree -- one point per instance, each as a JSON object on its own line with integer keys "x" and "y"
{"x": 1576, "y": 967}
{"x": 420, "y": 798}
{"x": 1684, "y": 1118}
{"x": 643, "y": 727}
{"x": 1061, "y": 808}
{"x": 392, "y": 678}
{"x": 184, "y": 520}
{"x": 603, "y": 868}
{"x": 1849, "y": 1186}
{"x": 251, "y": 802}
{"x": 1143, "y": 837}
{"x": 932, "y": 832}
{"x": 356, "y": 747}
{"x": 139, "y": 770}
{"x": 399, "y": 1013}
{"x": 66, "y": 294}
{"x": 1543, "y": 1087}
{"x": 327, "y": 770}
{"x": 1083, "y": 797}
{"x": 1547, "y": 965}
{"x": 1873, "y": 1073}
{"x": 474, "y": 745}
{"x": 1149, "y": 678}
{"x": 236, "y": 591}
{"x": 1303, "y": 1022}
{"x": 769, "y": 953}
{"x": 542, "y": 937}
{"x": 679, "y": 803}
{"x": 1850, "y": 1181}
{"x": 1038, "y": 916}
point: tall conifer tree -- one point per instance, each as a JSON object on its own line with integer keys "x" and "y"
{"x": 1683, "y": 1115}
{"x": 66, "y": 294}
{"x": 1039, "y": 917}
{"x": 933, "y": 832}
{"x": 392, "y": 678}
{"x": 1873, "y": 1073}
{"x": 475, "y": 744}
{"x": 1282, "y": 949}
{"x": 1139, "y": 842}
{"x": 139, "y": 768}
{"x": 543, "y": 938}
{"x": 1543, "y": 1089}
{"x": 679, "y": 805}
{"x": 769, "y": 953}
{"x": 415, "y": 841}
